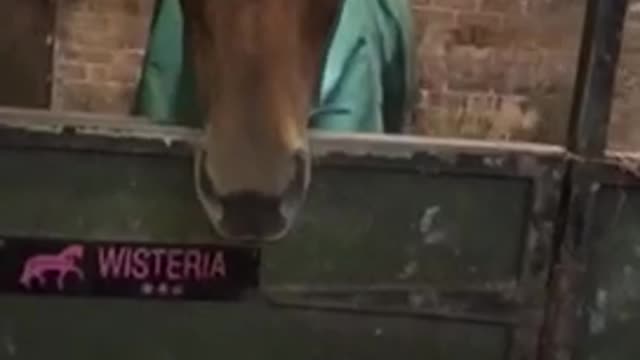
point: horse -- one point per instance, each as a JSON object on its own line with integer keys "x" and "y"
{"x": 257, "y": 75}
{"x": 62, "y": 263}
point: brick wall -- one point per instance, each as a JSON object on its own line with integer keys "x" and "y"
{"x": 490, "y": 68}
{"x": 98, "y": 53}
{"x": 497, "y": 68}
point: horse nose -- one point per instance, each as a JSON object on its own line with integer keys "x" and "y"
{"x": 251, "y": 216}
{"x": 254, "y": 216}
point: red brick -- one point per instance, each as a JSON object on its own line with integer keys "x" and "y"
{"x": 420, "y": 3}
{"x": 506, "y": 6}
{"x": 429, "y": 17}
{"x": 470, "y": 5}
{"x": 487, "y": 20}
{"x": 72, "y": 71}
{"x": 86, "y": 54}
{"x": 98, "y": 73}
{"x": 104, "y": 40}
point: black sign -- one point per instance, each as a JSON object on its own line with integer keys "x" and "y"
{"x": 136, "y": 270}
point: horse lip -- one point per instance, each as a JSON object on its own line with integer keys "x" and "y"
{"x": 295, "y": 193}
{"x": 249, "y": 239}
{"x": 211, "y": 204}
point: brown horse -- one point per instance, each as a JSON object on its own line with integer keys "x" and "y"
{"x": 257, "y": 64}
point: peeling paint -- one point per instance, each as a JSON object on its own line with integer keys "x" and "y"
{"x": 416, "y": 300}
{"x": 597, "y": 322}
{"x": 410, "y": 269}
{"x": 447, "y": 157}
{"x": 109, "y": 130}
{"x": 601, "y": 298}
{"x": 597, "y": 318}
{"x": 428, "y": 217}
{"x": 434, "y": 238}
{"x": 430, "y": 236}
{"x": 494, "y": 161}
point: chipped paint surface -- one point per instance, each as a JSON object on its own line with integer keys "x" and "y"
{"x": 430, "y": 234}
{"x": 410, "y": 269}
{"x": 95, "y": 124}
{"x": 495, "y": 161}
{"x": 597, "y": 318}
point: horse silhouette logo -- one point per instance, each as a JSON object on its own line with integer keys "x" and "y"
{"x": 62, "y": 263}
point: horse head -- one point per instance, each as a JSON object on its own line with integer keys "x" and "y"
{"x": 258, "y": 63}
{"x": 73, "y": 252}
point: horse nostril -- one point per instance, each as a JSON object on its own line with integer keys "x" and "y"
{"x": 252, "y": 216}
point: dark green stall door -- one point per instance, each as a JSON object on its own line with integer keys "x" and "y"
{"x": 439, "y": 255}
{"x": 354, "y": 234}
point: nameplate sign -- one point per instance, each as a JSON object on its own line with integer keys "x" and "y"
{"x": 133, "y": 270}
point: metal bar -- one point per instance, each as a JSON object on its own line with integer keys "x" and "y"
{"x": 124, "y": 128}
{"x": 595, "y": 78}
{"x": 22, "y": 130}
{"x": 587, "y": 139}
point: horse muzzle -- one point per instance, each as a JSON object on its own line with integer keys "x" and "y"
{"x": 249, "y": 216}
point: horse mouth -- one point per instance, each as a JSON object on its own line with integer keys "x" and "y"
{"x": 249, "y": 217}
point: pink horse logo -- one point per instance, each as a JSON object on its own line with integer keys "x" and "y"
{"x": 63, "y": 263}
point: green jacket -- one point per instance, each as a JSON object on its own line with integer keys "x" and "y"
{"x": 367, "y": 80}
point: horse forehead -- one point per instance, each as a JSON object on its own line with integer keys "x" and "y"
{"x": 265, "y": 12}
{"x": 276, "y": 14}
